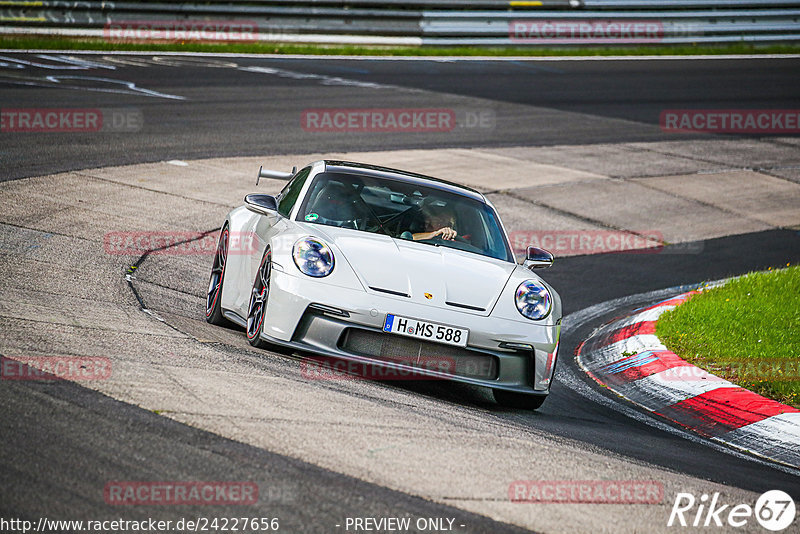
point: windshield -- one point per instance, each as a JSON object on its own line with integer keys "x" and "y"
{"x": 404, "y": 210}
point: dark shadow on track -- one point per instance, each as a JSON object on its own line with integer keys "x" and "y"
{"x": 101, "y": 440}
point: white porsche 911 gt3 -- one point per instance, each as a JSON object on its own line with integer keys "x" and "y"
{"x": 391, "y": 269}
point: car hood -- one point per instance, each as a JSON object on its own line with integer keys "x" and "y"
{"x": 437, "y": 276}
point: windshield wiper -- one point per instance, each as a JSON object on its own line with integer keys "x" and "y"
{"x": 371, "y": 211}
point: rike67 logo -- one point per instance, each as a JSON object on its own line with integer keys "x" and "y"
{"x": 774, "y": 510}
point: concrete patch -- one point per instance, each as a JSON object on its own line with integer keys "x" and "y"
{"x": 751, "y": 195}
{"x": 77, "y": 205}
{"x": 787, "y": 173}
{"x": 729, "y": 153}
{"x": 481, "y": 169}
{"x": 617, "y": 161}
{"x": 632, "y": 206}
{"x": 220, "y": 181}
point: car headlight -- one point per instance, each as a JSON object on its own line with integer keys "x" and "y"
{"x": 533, "y": 300}
{"x": 313, "y": 257}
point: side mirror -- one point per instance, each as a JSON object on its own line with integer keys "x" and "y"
{"x": 263, "y": 204}
{"x": 537, "y": 258}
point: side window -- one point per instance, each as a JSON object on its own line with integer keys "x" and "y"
{"x": 288, "y": 196}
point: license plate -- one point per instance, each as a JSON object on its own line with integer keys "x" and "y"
{"x": 449, "y": 335}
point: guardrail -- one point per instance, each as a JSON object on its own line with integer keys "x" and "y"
{"x": 416, "y": 22}
{"x": 609, "y": 27}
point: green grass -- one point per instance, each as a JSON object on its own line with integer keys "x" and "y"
{"x": 747, "y": 331}
{"x": 66, "y": 43}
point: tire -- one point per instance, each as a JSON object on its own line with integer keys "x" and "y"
{"x": 257, "y": 308}
{"x": 523, "y": 401}
{"x": 214, "y": 295}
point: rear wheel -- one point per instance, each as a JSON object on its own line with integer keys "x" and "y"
{"x": 258, "y": 302}
{"x": 214, "y": 295}
{"x": 521, "y": 401}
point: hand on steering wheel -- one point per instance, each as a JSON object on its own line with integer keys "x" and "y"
{"x": 445, "y": 233}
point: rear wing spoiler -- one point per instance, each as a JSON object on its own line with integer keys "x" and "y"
{"x": 274, "y": 175}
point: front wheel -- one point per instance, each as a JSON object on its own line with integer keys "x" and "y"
{"x": 214, "y": 294}
{"x": 258, "y": 302}
{"x": 522, "y": 401}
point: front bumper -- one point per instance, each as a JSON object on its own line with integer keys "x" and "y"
{"x": 311, "y": 315}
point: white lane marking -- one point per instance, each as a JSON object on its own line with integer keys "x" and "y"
{"x": 35, "y": 64}
{"x": 178, "y": 61}
{"x": 132, "y": 87}
{"x": 569, "y": 377}
{"x": 55, "y": 82}
{"x": 62, "y": 62}
{"x": 190, "y": 61}
{"x": 323, "y": 79}
{"x": 111, "y": 62}
{"x": 85, "y": 63}
{"x": 177, "y": 163}
{"x": 128, "y": 61}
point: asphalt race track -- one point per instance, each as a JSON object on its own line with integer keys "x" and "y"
{"x": 63, "y": 441}
{"x": 226, "y": 110}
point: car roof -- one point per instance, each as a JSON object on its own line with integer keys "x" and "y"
{"x": 403, "y": 176}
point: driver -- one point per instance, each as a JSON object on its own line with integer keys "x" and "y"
{"x": 439, "y": 221}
